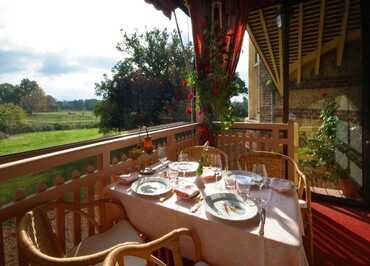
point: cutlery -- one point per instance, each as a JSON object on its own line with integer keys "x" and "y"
{"x": 262, "y": 222}
{"x": 164, "y": 198}
{"x": 196, "y": 206}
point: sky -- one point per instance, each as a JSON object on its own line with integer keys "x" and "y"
{"x": 67, "y": 45}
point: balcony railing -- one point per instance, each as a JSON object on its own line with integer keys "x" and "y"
{"x": 105, "y": 160}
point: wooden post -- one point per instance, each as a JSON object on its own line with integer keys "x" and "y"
{"x": 285, "y": 55}
{"x": 365, "y": 28}
{"x": 2, "y": 255}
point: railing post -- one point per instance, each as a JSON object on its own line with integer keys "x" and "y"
{"x": 292, "y": 147}
{"x": 171, "y": 147}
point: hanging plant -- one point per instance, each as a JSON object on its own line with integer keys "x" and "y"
{"x": 213, "y": 85}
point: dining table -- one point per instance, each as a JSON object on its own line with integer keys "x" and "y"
{"x": 223, "y": 243}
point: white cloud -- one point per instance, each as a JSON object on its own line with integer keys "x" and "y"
{"x": 78, "y": 31}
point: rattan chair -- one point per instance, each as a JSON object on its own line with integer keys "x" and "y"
{"x": 145, "y": 251}
{"x": 40, "y": 246}
{"x": 282, "y": 166}
{"x": 205, "y": 152}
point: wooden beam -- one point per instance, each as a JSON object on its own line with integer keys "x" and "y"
{"x": 281, "y": 58}
{"x": 285, "y": 54}
{"x": 319, "y": 38}
{"x": 262, "y": 56}
{"x": 300, "y": 34}
{"x": 267, "y": 37}
{"x": 333, "y": 44}
{"x": 342, "y": 38}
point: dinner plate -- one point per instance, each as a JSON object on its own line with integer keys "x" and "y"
{"x": 246, "y": 177}
{"x": 230, "y": 207}
{"x": 185, "y": 166}
{"x": 151, "y": 186}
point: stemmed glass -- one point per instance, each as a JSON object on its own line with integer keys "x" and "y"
{"x": 263, "y": 198}
{"x": 161, "y": 152}
{"x": 243, "y": 190}
{"x": 216, "y": 166}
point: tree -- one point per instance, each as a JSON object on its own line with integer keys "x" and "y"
{"x": 8, "y": 93}
{"x": 146, "y": 84}
{"x": 31, "y": 97}
{"x": 240, "y": 109}
{"x": 52, "y": 105}
{"x": 11, "y": 117}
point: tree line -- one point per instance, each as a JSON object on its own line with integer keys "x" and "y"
{"x": 29, "y": 96}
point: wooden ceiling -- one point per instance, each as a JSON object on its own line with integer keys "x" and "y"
{"x": 315, "y": 28}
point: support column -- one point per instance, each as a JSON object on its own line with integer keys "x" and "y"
{"x": 285, "y": 55}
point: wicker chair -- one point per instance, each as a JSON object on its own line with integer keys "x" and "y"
{"x": 195, "y": 153}
{"x": 278, "y": 165}
{"x": 145, "y": 251}
{"x": 40, "y": 246}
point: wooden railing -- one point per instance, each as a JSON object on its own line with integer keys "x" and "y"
{"x": 243, "y": 137}
{"x": 110, "y": 158}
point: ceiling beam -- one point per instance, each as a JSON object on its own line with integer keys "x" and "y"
{"x": 267, "y": 37}
{"x": 262, "y": 56}
{"x": 300, "y": 34}
{"x": 343, "y": 33}
{"x": 319, "y": 37}
{"x": 327, "y": 47}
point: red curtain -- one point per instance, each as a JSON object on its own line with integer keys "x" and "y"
{"x": 228, "y": 18}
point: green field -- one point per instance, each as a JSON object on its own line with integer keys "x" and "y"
{"x": 76, "y": 118}
{"x": 38, "y": 140}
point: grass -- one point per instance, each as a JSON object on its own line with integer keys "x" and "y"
{"x": 37, "y": 140}
{"x": 65, "y": 117}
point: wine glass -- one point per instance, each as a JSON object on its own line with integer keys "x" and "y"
{"x": 217, "y": 166}
{"x": 183, "y": 157}
{"x": 161, "y": 152}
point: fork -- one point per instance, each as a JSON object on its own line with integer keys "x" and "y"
{"x": 262, "y": 222}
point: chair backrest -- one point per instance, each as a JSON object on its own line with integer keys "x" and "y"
{"x": 37, "y": 237}
{"x": 39, "y": 243}
{"x": 209, "y": 155}
{"x": 277, "y": 165}
{"x": 145, "y": 251}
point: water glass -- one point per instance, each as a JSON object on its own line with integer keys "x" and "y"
{"x": 260, "y": 169}
{"x": 230, "y": 182}
{"x": 173, "y": 176}
{"x": 243, "y": 190}
{"x": 183, "y": 157}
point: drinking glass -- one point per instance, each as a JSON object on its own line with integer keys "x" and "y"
{"x": 243, "y": 190}
{"x": 260, "y": 169}
{"x": 161, "y": 152}
{"x": 183, "y": 157}
{"x": 173, "y": 176}
{"x": 230, "y": 181}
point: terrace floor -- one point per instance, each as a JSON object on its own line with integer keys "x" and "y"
{"x": 341, "y": 235}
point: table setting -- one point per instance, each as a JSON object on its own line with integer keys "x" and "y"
{"x": 249, "y": 210}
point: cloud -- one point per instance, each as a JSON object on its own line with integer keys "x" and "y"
{"x": 50, "y": 64}
{"x": 15, "y": 61}
{"x": 54, "y": 64}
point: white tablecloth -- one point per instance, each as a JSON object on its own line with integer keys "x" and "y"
{"x": 223, "y": 243}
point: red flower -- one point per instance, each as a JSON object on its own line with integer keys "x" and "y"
{"x": 184, "y": 83}
{"x": 190, "y": 95}
{"x": 189, "y": 110}
{"x": 324, "y": 94}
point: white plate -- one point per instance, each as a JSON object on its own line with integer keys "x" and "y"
{"x": 230, "y": 207}
{"x": 185, "y": 166}
{"x": 151, "y": 186}
{"x": 245, "y": 177}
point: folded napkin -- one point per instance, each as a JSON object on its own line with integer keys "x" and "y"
{"x": 186, "y": 191}
{"x": 127, "y": 179}
{"x": 281, "y": 185}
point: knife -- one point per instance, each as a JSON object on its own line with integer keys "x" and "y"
{"x": 263, "y": 220}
